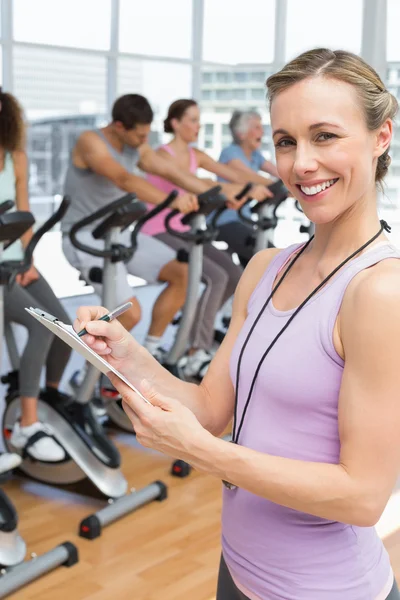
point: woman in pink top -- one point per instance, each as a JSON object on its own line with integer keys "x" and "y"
{"x": 220, "y": 274}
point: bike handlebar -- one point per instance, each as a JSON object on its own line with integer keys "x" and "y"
{"x": 151, "y": 214}
{"x": 49, "y": 224}
{"x": 111, "y": 208}
{"x": 280, "y": 195}
{"x": 98, "y": 214}
{"x": 209, "y": 201}
{"x": 6, "y": 206}
{"x": 15, "y": 267}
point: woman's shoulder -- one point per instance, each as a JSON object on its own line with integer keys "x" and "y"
{"x": 373, "y": 291}
{"x": 19, "y": 155}
{"x": 254, "y": 272}
{"x": 230, "y": 152}
{"x": 163, "y": 151}
{"x": 20, "y": 160}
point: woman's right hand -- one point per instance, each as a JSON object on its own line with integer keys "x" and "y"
{"x": 186, "y": 203}
{"x": 109, "y": 339}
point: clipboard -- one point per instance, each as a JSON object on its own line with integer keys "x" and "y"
{"x": 70, "y": 337}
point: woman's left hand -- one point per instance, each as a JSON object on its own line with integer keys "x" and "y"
{"x": 166, "y": 426}
{"x": 28, "y": 277}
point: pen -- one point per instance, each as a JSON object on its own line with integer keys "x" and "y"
{"x": 114, "y": 314}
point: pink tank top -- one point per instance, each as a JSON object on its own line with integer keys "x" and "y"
{"x": 156, "y": 225}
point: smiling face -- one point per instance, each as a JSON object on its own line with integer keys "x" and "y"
{"x": 325, "y": 154}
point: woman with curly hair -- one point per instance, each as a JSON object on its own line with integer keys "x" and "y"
{"x": 29, "y": 436}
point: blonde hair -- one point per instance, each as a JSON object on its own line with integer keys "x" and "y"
{"x": 377, "y": 102}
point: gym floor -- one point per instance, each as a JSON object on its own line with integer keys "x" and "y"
{"x": 164, "y": 551}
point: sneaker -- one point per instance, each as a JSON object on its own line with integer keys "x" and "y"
{"x": 160, "y": 355}
{"x": 197, "y": 364}
{"x": 37, "y": 442}
{"x": 8, "y": 462}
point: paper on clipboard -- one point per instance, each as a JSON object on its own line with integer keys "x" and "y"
{"x": 70, "y": 337}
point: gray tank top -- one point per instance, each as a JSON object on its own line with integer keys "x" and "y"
{"x": 88, "y": 190}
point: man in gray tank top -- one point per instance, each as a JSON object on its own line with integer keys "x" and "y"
{"x": 99, "y": 172}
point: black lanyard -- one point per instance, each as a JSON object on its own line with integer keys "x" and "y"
{"x": 235, "y": 436}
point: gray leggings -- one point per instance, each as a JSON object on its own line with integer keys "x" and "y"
{"x": 227, "y": 589}
{"x": 221, "y": 276}
{"x": 42, "y": 347}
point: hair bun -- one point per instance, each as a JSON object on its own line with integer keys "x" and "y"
{"x": 383, "y": 165}
{"x": 167, "y": 126}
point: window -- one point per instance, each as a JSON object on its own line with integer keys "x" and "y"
{"x": 223, "y": 77}
{"x": 393, "y": 20}
{"x": 207, "y": 77}
{"x": 259, "y": 76}
{"x": 241, "y": 77}
{"x": 239, "y": 94}
{"x": 225, "y": 129}
{"x": 392, "y": 75}
{"x": 206, "y": 94}
{"x": 313, "y": 24}
{"x": 62, "y": 93}
{"x": 258, "y": 94}
{"x": 235, "y": 32}
{"x": 223, "y": 94}
{"x": 156, "y": 27}
{"x": 395, "y": 171}
{"x": 161, "y": 83}
{"x": 209, "y": 129}
{"x": 51, "y": 82}
{"x": 81, "y": 23}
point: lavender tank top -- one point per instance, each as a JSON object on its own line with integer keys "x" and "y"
{"x": 273, "y": 552}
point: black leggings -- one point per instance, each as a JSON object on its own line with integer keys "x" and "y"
{"x": 227, "y": 589}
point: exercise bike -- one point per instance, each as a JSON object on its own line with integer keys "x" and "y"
{"x": 117, "y": 216}
{"x": 14, "y": 572}
{"x": 90, "y": 455}
{"x": 263, "y": 221}
{"x": 110, "y": 230}
{"x": 304, "y": 228}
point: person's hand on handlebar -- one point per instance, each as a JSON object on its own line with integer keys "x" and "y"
{"x": 230, "y": 191}
{"x": 25, "y": 279}
{"x": 186, "y": 203}
{"x": 260, "y": 192}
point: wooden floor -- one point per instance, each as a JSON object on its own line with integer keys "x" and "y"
{"x": 163, "y": 551}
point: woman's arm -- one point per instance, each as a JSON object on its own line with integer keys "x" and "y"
{"x": 212, "y": 401}
{"x": 20, "y": 162}
{"x": 355, "y": 490}
{"x": 270, "y": 168}
{"x": 248, "y": 173}
{"x": 220, "y": 169}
